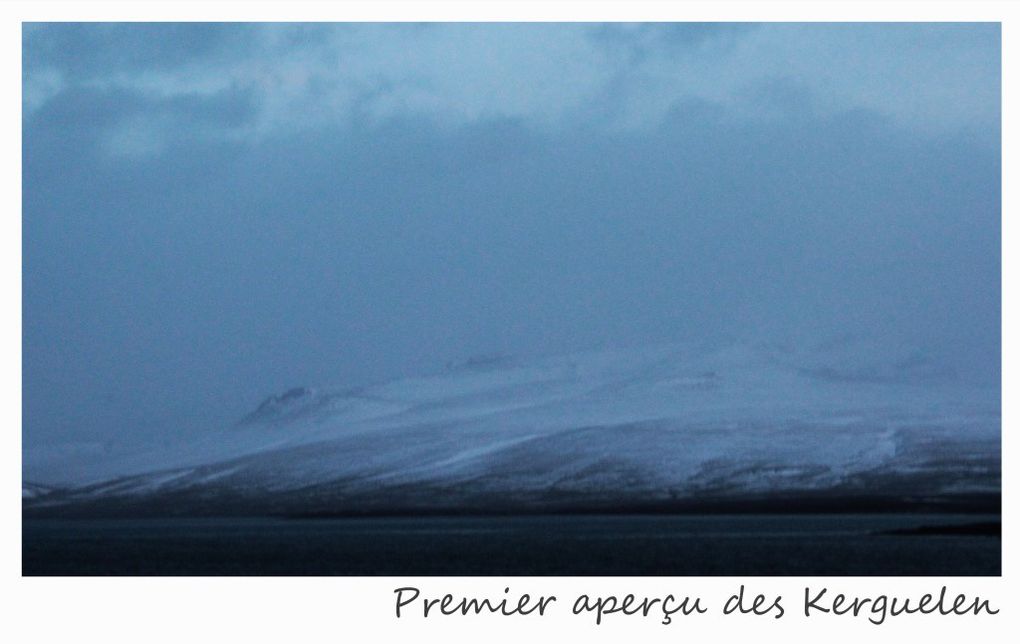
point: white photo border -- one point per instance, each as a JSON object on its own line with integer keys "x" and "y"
{"x": 356, "y": 609}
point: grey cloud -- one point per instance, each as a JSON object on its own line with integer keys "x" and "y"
{"x": 638, "y": 42}
{"x": 933, "y": 78}
{"x": 96, "y": 117}
{"x": 85, "y": 51}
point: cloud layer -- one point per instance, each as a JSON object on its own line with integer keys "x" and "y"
{"x": 216, "y": 212}
{"x": 259, "y": 80}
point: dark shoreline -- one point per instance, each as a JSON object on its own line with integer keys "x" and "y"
{"x": 980, "y": 529}
{"x": 821, "y": 503}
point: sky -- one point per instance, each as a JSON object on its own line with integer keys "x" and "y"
{"x": 213, "y": 213}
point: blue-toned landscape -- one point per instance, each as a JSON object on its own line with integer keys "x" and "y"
{"x": 514, "y": 299}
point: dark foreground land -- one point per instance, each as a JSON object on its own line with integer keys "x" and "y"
{"x": 858, "y": 544}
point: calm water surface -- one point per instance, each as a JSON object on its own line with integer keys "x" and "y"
{"x": 545, "y": 545}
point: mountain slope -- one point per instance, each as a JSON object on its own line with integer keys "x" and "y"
{"x": 665, "y": 427}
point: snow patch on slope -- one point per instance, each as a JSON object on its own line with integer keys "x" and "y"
{"x": 667, "y": 422}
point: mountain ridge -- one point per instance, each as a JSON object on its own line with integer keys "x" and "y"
{"x": 666, "y": 427}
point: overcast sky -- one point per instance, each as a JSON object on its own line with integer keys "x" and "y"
{"x": 213, "y": 213}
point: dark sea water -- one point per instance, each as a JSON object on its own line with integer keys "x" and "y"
{"x": 534, "y": 545}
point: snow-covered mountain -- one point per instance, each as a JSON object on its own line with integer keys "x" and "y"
{"x": 663, "y": 427}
